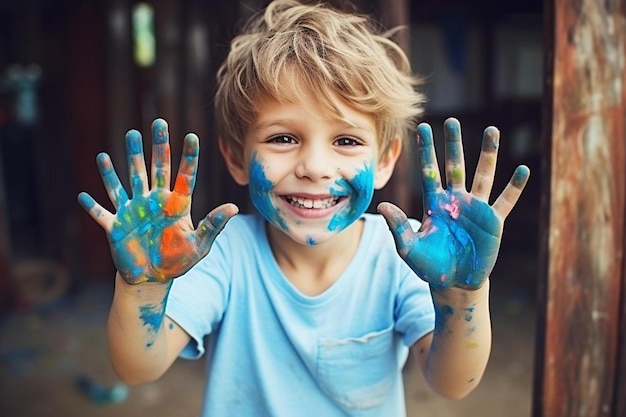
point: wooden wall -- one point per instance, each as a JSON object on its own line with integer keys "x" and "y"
{"x": 583, "y": 211}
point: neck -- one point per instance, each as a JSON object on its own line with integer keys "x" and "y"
{"x": 313, "y": 269}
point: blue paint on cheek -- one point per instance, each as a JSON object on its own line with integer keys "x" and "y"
{"x": 260, "y": 189}
{"x": 360, "y": 191}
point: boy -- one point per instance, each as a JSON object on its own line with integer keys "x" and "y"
{"x": 310, "y": 306}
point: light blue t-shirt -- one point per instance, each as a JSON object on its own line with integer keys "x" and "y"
{"x": 274, "y": 351}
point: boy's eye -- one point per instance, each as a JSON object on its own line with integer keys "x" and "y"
{"x": 347, "y": 141}
{"x": 282, "y": 139}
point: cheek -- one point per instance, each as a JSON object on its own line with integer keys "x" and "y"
{"x": 362, "y": 185}
{"x": 259, "y": 189}
{"x": 257, "y": 177}
{"x": 360, "y": 189}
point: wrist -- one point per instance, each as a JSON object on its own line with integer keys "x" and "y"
{"x": 145, "y": 292}
{"x": 460, "y": 296}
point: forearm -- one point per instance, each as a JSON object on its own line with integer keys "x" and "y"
{"x": 461, "y": 342}
{"x": 138, "y": 345}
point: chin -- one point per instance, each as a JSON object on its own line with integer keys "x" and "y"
{"x": 308, "y": 236}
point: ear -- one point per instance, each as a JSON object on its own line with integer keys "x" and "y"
{"x": 234, "y": 163}
{"x": 387, "y": 163}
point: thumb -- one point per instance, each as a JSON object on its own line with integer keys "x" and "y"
{"x": 212, "y": 225}
{"x": 399, "y": 226}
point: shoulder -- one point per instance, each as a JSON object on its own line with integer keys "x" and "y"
{"x": 377, "y": 240}
{"x": 243, "y": 234}
{"x": 243, "y": 226}
{"x": 377, "y": 225}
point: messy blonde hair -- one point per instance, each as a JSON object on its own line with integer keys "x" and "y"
{"x": 324, "y": 51}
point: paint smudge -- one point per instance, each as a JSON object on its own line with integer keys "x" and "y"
{"x": 359, "y": 190}
{"x": 260, "y": 190}
{"x": 442, "y": 314}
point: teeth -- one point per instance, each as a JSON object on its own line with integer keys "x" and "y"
{"x": 308, "y": 203}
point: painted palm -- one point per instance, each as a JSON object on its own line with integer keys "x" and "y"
{"x": 458, "y": 241}
{"x": 151, "y": 235}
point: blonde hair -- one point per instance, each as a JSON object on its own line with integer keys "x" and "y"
{"x": 325, "y": 51}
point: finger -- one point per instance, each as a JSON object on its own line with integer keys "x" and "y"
{"x": 455, "y": 160}
{"x": 102, "y": 216}
{"x": 117, "y": 193}
{"x": 398, "y": 225}
{"x": 431, "y": 178}
{"x": 212, "y": 225}
{"x": 506, "y": 201}
{"x": 136, "y": 163}
{"x": 186, "y": 178}
{"x": 161, "y": 164}
{"x": 486, "y": 168}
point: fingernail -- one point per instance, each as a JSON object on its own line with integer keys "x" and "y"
{"x": 133, "y": 142}
{"x": 159, "y": 131}
{"x": 492, "y": 139}
{"x": 520, "y": 176}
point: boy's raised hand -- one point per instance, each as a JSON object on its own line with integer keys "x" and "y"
{"x": 151, "y": 234}
{"x": 458, "y": 242}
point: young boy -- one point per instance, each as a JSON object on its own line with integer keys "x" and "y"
{"x": 310, "y": 307}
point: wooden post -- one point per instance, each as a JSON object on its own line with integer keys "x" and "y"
{"x": 6, "y": 277}
{"x": 583, "y": 210}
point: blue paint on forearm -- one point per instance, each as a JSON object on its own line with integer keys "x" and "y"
{"x": 152, "y": 317}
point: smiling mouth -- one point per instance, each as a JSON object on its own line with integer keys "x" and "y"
{"x": 307, "y": 203}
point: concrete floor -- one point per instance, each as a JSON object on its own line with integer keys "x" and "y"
{"x": 44, "y": 351}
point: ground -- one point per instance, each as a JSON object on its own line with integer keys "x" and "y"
{"x": 45, "y": 351}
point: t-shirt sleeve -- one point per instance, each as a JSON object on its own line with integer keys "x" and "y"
{"x": 198, "y": 299}
{"x": 414, "y": 311}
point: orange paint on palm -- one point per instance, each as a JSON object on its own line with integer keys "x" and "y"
{"x": 174, "y": 247}
{"x": 176, "y": 204}
{"x": 137, "y": 252}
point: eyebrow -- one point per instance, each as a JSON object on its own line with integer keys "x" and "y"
{"x": 343, "y": 123}
{"x": 352, "y": 124}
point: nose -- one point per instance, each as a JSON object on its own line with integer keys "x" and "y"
{"x": 314, "y": 163}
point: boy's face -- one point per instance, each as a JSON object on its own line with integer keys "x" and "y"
{"x": 311, "y": 174}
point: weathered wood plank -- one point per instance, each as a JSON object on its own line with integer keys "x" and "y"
{"x": 6, "y": 278}
{"x": 584, "y": 210}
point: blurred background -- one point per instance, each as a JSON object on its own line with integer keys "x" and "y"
{"x": 76, "y": 75}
